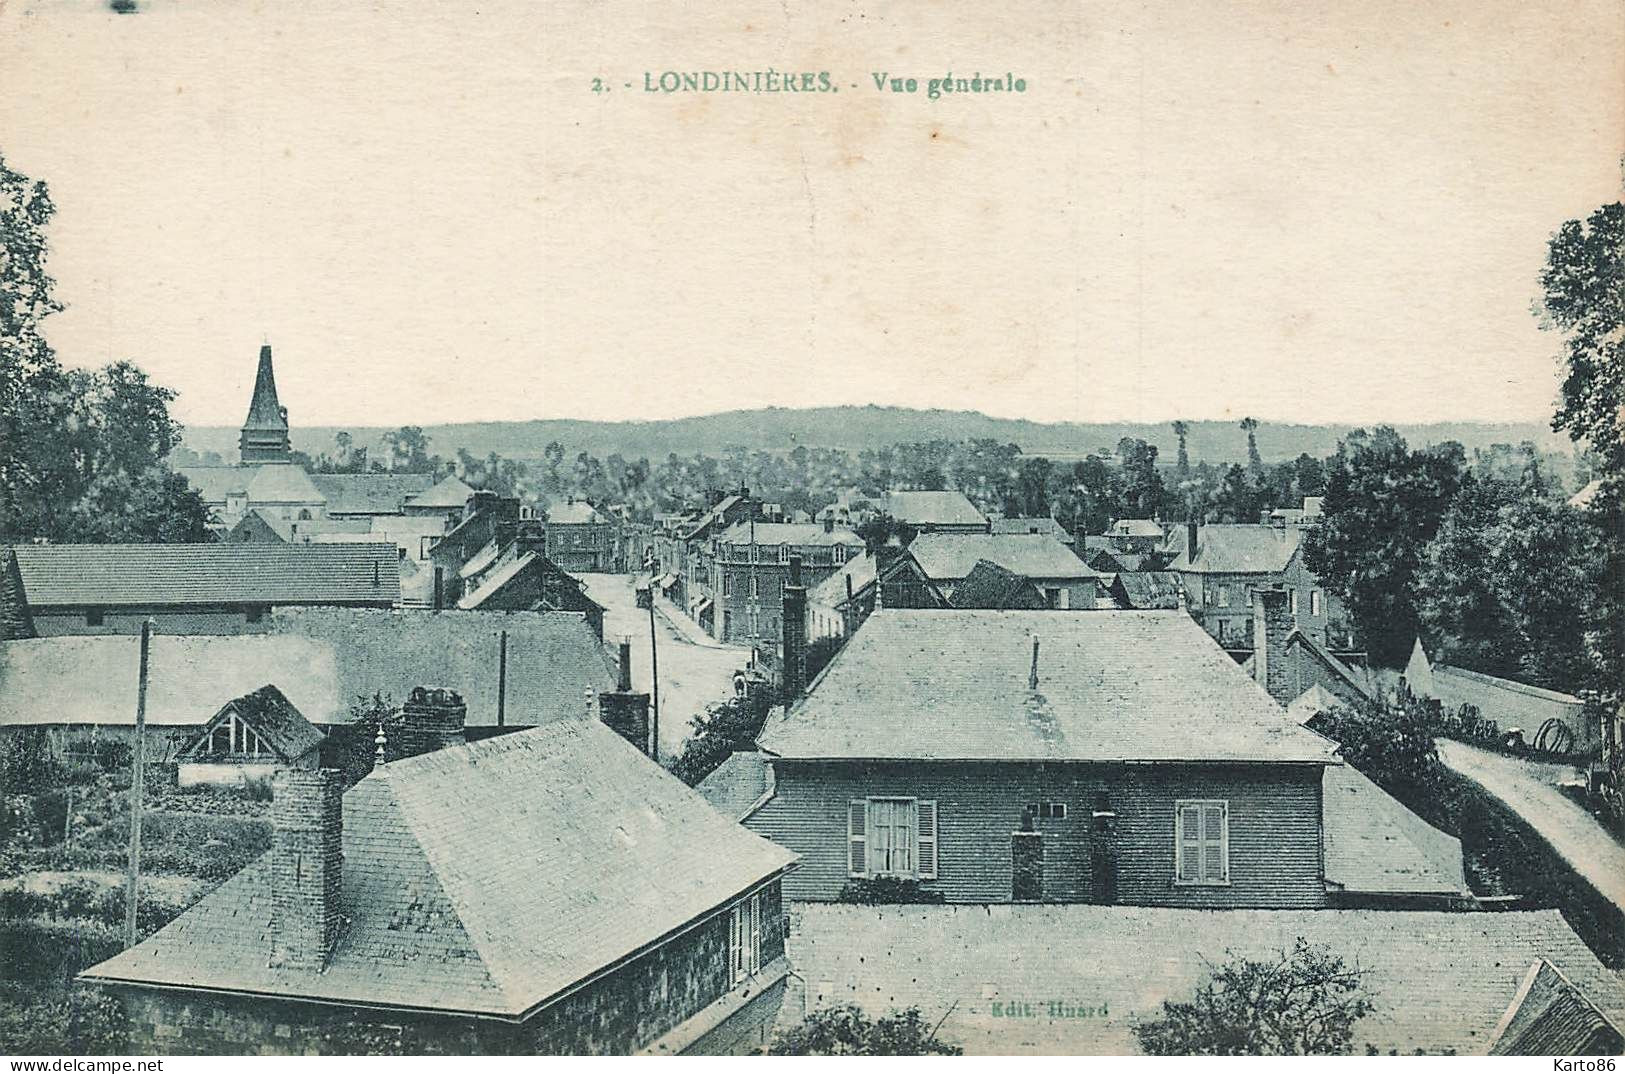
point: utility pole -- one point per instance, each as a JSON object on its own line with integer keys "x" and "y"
{"x": 138, "y": 758}
{"x": 502, "y": 679}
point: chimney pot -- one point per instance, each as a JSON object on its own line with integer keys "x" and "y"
{"x": 433, "y": 718}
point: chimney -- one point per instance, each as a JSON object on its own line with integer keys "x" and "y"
{"x": 1032, "y": 676}
{"x": 795, "y": 632}
{"x": 623, "y": 680}
{"x": 432, "y": 719}
{"x": 531, "y": 537}
{"x": 849, "y": 613}
{"x": 307, "y": 867}
{"x": 1272, "y": 623}
{"x": 440, "y": 589}
{"x": 622, "y": 711}
{"x": 829, "y": 523}
{"x": 1192, "y": 536}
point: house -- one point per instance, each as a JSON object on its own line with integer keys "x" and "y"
{"x": 1220, "y": 564}
{"x": 368, "y": 496}
{"x": 549, "y": 891}
{"x": 248, "y": 739}
{"x": 1002, "y": 980}
{"x": 1116, "y": 757}
{"x": 1547, "y": 718}
{"x": 197, "y": 588}
{"x": 1136, "y": 536}
{"x": 928, "y": 572}
{"x": 934, "y": 512}
{"x": 487, "y": 518}
{"x": 1289, "y": 663}
{"x": 445, "y": 499}
{"x": 699, "y": 581}
{"x": 512, "y": 669}
{"x": 991, "y": 587}
{"x": 750, "y": 563}
{"x": 1146, "y": 589}
{"x": 1307, "y": 515}
{"x": 519, "y": 577}
{"x": 579, "y": 538}
{"x": 840, "y": 603}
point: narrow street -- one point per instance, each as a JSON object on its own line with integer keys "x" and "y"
{"x": 1530, "y": 789}
{"x": 694, "y": 670}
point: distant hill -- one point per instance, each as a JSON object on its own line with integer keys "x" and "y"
{"x": 858, "y": 428}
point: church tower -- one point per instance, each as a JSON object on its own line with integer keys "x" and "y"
{"x": 265, "y": 433}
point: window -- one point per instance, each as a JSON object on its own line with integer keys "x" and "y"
{"x": 892, "y": 837}
{"x": 784, "y": 553}
{"x": 726, "y": 587}
{"x": 93, "y": 617}
{"x": 1316, "y": 604}
{"x": 1224, "y": 596}
{"x": 745, "y": 938}
{"x": 1046, "y": 810}
{"x": 1292, "y": 602}
{"x": 838, "y": 553}
{"x": 254, "y": 613}
{"x": 755, "y": 587}
{"x": 1202, "y": 842}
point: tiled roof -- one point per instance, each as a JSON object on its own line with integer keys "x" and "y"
{"x": 1112, "y": 686}
{"x": 450, "y": 491}
{"x": 791, "y": 533}
{"x": 321, "y": 659}
{"x": 110, "y": 575}
{"x": 1438, "y": 981}
{"x": 369, "y": 494}
{"x": 574, "y": 513}
{"x": 949, "y": 556}
{"x": 1375, "y": 845}
{"x": 932, "y": 509}
{"x": 832, "y": 590}
{"x": 274, "y": 718}
{"x": 1236, "y": 548}
{"x": 738, "y": 784}
{"x": 1045, "y": 525}
{"x": 1553, "y": 1017}
{"x": 1152, "y": 589}
{"x": 485, "y": 878}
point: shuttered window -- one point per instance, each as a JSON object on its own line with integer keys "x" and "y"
{"x": 1202, "y": 842}
{"x": 892, "y": 837}
{"x": 745, "y": 939}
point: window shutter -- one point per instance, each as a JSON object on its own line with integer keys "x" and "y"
{"x": 1213, "y": 863}
{"x": 1190, "y": 834}
{"x": 857, "y": 854}
{"x": 925, "y": 827}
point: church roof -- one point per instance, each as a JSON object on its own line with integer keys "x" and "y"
{"x": 265, "y": 411}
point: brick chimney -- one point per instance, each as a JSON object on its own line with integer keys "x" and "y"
{"x": 1272, "y": 623}
{"x": 795, "y": 631}
{"x": 623, "y": 711}
{"x": 829, "y": 523}
{"x": 1193, "y": 533}
{"x": 531, "y": 537}
{"x": 307, "y": 867}
{"x": 432, "y": 719}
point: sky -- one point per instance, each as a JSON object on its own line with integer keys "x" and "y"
{"x": 1304, "y": 212}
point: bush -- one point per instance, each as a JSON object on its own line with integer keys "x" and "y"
{"x": 80, "y": 1020}
{"x": 882, "y": 891}
{"x": 849, "y": 1031}
{"x": 1392, "y": 747}
{"x": 27, "y": 763}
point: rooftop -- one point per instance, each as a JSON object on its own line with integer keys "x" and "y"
{"x": 949, "y": 556}
{"x": 1374, "y": 845}
{"x": 274, "y": 718}
{"x": 1045, "y": 525}
{"x": 449, "y": 492}
{"x": 1236, "y": 548}
{"x": 1112, "y": 686}
{"x": 111, "y": 575}
{"x": 369, "y": 494}
{"x": 832, "y": 590}
{"x": 791, "y": 533}
{"x": 738, "y": 784}
{"x": 482, "y": 879}
{"x": 1439, "y": 981}
{"x": 932, "y": 509}
{"x": 574, "y": 513}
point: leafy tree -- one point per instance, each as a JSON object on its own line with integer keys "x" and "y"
{"x": 1383, "y": 504}
{"x": 1254, "y": 462}
{"x": 879, "y": 530}
{"x": 408, "y": 449}
{"x": 1183, "y": 464}
{"x": 849, "y": 1031}
{"x": 1302, "y": 1002}
{"x": 1237, "y": 499}
{"x": 724, "y": 728}
{"x": 1393, "y": 747}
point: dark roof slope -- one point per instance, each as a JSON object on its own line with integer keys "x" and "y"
{"x": 738, "y": 784}
{"x": 369, "y": 494}
{"x": 110, "y": 575}
{"x": 1150, "y": 589}
{"x": 1553, "y": 1017}
{"x": 484, "y": 879}
{"x": 281, "y": 726}
{"x": 1112, "y": 686}
{"x": 989, "y": 586}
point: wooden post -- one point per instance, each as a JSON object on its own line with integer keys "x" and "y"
{"x": 138, "y": 760}
{"x": 502, "y": 679}
{"x": 654, "y": 682}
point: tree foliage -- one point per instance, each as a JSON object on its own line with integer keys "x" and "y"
{"x": 1303, "y": 1002}
{"x": 724, "y": 728}
{"x": 1394, "y": 748}
{"x": 849, "y": 1031}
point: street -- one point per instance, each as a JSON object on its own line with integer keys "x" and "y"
{"x": 692, "y": 675}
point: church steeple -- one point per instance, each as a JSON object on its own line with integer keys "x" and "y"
{"x": 265, "y": 433}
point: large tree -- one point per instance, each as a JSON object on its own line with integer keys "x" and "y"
{"x": 1383, "y": 504}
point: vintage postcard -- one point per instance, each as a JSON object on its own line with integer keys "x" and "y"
{"x": 608, "y": 528}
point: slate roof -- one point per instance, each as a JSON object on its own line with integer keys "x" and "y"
{"x": 1553, "y": 1017}
{"x": 1045, "y": 525}
{"x": 369, "y": 494}
{"x": 215, "y": 483}
{"x": 282, "y": 483}
{"x": 738, "y": 784}
{"x": 1375, "y": 845}
{"x": 990, "y": 586}
{"x": 1311, "y": 703}
{"x": 791, "y": 533}
{"x": 493, "y": 583}
{"x": 714, "y": 514}
{"x": 832, "y": 590}
{"x": 1113, "y": 686}
{"x": 1151, "y": 589}
{"x": 1438, "y": 980}
{"x": 574, "y": 513}
{"x": 320, "y": 658}
{"x": 950, "y": 556}
{"x": 932, "y": 509}
{"x": 264, "y": 411}
{"x": 483, "y": 879}
{"x": 273, "y": 717}
{"x": 449, "y": 491}
{"x": 1236, "y": 548}
{"x": 111, "y": 575}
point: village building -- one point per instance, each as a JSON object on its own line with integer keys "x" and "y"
{"x": 934, "y": 512}
{"x": 1514, "y": 983}
{"x": 549, "y": 891}
{"x": 249, "y": 739}
{"x": 196, "y": 588}
{"x": 930, "y": 570}
{"x": 1113, "y": 757}
{"x": 513, "y": 574}
{"x": 698, "y": 581}
{"x": 486, "y": 518}
{"x": 580, "y": 538}
{"x": 840, "y": 603}
{"x": 1221, "y": 563}
{"x": 1143, "y": 590}
{"x": 751, "y": 563}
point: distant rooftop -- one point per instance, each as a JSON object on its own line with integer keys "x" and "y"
{"x": 1235, "y": 548}
{"x": 791, "y": 533}
{"x": 947, "y": 556}
{"x": 932, "y": 509}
